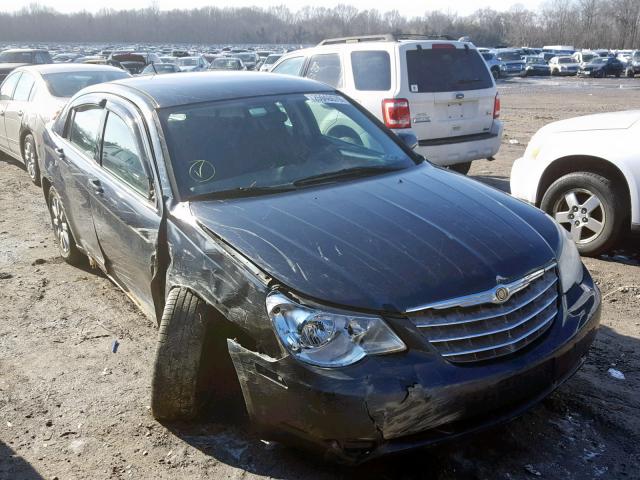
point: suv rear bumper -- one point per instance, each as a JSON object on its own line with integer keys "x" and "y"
{"x": 452, "y": 150}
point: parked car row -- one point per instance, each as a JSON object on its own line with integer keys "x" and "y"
{"x": 286, "y": 242}
{"x": 560, "y": 61}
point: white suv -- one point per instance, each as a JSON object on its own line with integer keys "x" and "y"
{"x": 440, "y": 90}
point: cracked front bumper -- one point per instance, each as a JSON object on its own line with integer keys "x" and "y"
{"x": 387, "y": 404}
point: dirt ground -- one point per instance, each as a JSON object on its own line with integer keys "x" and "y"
{"x": 70, "y": 408}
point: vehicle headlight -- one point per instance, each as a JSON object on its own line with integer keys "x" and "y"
{"x": 326, "y": 338}
{"x": 569, "y": 262}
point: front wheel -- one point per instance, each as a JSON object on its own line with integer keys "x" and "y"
{"x": 589, "y": 207}
{"x": 462, "y": 168}
{"x": 30, "y": 158}
{"x": 496, "y": 73}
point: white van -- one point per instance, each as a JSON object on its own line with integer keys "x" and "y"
{"x": 440, "y": 90}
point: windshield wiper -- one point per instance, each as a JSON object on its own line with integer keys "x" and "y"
{"x": 344, "y": 173}
{"x": 244, "y": 192}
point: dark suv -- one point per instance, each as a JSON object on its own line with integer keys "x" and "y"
{"x": 14, "y": 58}
{"x": 362, "y": 300}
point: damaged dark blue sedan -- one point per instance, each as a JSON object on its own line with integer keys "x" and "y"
{"x": 359, "y": 299}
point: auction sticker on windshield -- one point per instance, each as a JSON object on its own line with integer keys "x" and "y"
{"x": 326, "y": 98}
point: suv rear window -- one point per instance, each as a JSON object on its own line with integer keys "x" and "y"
{"x": 446, "y": 70}
{"x": 371, "y": 70}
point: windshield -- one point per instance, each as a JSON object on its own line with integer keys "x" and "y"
{"x": 598, "y": 60}
{"x": 246, "y": 57}
{"x": 188, "y": 62}
{"x": 536, "y": 61}
{"x": 67, "y": 84}
{"x": 587, "y": 57}
{"x": 221, "y": 148}
{"x": 566, "y": 60}
{"x": 15, "y": 57}
{"x": 160, "y": 68}
{"x": 226, "y": 63}
{"x": 458, "y": 69}
{"x": 271, "y": 59}
{"x": 509, "y": 56}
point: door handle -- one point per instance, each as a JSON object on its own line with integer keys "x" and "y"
{"x": 60, "y": 153}
{"x": 96, "y": 185}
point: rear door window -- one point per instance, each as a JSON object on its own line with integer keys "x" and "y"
{"x": 325, "y": 68}
{"x": 9, "y": 85}
{"x": 24, "y": 87}
{"x": 371, "y": 70}
{"x": 446, "y": 69}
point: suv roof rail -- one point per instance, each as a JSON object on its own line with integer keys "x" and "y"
{"x": 386, "y": 37}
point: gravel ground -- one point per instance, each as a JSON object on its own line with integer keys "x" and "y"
{"x": 72, "y": 409}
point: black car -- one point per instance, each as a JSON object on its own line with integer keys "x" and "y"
{"x": 536, "y": 66}
{"x": 363, "y": 300}
{"x": 20, "y": 57}
{"x": 602, "y": 67}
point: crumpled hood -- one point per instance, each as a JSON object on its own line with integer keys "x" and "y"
{"x": 599, "y": 121}
{"x": 387, "y": 243}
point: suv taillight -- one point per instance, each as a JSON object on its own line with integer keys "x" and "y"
{"x": 496, "y": 107}
{"x": 395, "y": 112}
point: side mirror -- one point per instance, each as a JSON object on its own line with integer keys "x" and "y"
{"x": 409, "y": 139}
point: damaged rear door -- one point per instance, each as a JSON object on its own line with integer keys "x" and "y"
{"x": 125, "y": 212}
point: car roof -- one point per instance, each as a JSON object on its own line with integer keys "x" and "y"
{"x": 67, "y": 67}
{"x": 175, "y": 89}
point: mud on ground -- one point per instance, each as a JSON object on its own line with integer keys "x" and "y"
{"x": 72, "y": 409}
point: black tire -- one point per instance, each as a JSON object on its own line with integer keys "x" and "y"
{"x": 64, "y": 236}
{"x": 192, "y": 364}
{"x": 30, "y": 158}
{"x": 599, "y": 74}
{"x": 462, "y": 168}
{"x": 630, "y": 73}
{"x": 611, "y": 213}
{"x": 618, "y": 74}
{"x": 554, "y": 72}
{"x": 496, "y": 73}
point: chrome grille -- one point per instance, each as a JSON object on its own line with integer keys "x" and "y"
{"x": 485, "y": 330}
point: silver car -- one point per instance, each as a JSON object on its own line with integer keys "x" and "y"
{"x": 31, "y": 96}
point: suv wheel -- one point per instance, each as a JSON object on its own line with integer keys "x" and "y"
{"x": 587, "y": 205}
{"x": 30, "y": 158}
{"x": 496, "y": 73}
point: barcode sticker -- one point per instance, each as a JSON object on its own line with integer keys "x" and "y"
{"x": 414, "y": 88}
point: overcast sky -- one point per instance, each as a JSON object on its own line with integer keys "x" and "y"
{"x": 406, "y": 7}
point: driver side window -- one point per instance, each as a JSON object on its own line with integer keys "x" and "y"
{"x": 121, "y": 154}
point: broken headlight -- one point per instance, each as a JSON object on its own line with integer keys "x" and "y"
{"x": 326, "y": 338}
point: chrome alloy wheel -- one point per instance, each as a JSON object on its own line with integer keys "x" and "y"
{"x": 582, "y": 213}
{"x": 60, "y": 225}
{"x": 30, "y": 159}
